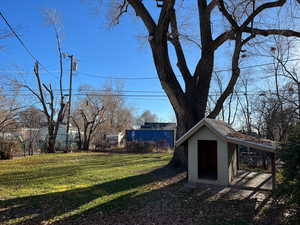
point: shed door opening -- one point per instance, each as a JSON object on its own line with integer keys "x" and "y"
{"x": 207, "y": 160}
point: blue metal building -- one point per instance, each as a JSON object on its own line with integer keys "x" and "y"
{"x": 164, "y": 138}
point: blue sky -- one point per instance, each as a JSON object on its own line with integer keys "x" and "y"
{"x": 101, "y": 51}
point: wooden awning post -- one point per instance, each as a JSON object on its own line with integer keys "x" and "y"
{"x": 237, "y": 157}
{"x": 273, "y": 171}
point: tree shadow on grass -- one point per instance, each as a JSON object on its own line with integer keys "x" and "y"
{"x": 121, "y": 201}
{"x": 172, "y": 204}
{"x": 48, "y": 206}
{"x": 175, "y": 204}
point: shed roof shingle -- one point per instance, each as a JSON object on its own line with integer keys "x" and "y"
{"x": 228, "y": 134}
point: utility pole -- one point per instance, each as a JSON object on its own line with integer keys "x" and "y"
{"x": 72, "y": 67}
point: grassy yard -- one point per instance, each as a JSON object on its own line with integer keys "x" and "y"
{"x": 123, "y": 189}
{"x": 51, "y": 187}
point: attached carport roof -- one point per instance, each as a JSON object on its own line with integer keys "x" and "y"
{"x": 228, "y": 134}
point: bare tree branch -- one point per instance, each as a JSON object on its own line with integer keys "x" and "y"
{"x": 174, "y": 39}
{"x": 229, "y": 17}
{"x": 234, "y": 74}
{"x": 261, "y": 8}
{"x": 143, "y": 13}
{"x": 267, "y": 32}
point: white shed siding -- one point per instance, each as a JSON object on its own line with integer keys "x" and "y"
{"x": 222, "y": 155}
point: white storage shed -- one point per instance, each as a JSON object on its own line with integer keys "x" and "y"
{"x": 213, "y": 151}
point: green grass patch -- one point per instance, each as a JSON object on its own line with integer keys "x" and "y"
{"x": 51, "y": 187}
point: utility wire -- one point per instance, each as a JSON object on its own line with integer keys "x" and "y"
{"x": 114, "y": 77}
{"x": 107, "y": 92}
{"x": 150, "y": 78}
{"x": 212, "y": 94}
{"x": 22, "y": 42}
{"x": 91, "y": 91}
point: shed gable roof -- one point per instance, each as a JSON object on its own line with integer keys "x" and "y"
{"x": 228, "y": 134}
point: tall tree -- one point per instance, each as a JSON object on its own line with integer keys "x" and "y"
{"x": 54, "y": 114}
{"x": 243, "y": 22}
{"x": 45, "y": 94}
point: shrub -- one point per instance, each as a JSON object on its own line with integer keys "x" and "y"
{"x": 6, "y": 149}
{"x": 141, "y": 147}
{"x": 290, "y": 156}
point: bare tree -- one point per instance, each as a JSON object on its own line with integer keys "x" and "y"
{"x": 31, "y": 117}
{"x": 4, "y": 34}
{"x": 118, "y": 116}
{"x": 45, "y": 94}
{"x": 8, "y": 105}
{"x": 246, "y": 103}
{"x": 9, "y": 109}
{"x": 243, "y": 22}
{"x": 30, "y": 120}
{"x": 100, "y": 113}
{"x": 53, "y": 115}
{"x": 286, "y": 71}
{"x": 278, "y": 108}
{"x": 273, "y": 119}
{"x": 87, "y": 118}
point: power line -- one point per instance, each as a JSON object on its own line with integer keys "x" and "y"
{"x": 118, "y": 95}
{"x": 257, "y": 65}
{"x": 106, "y": 77}
{"x": 104, "y": 92}
{"x": 96, "y": 95}
{"x": 152, "y": 78}
{"x": 24, "y": 72}
{"x": 22, "y": 42}
{"x": 122, "y": 92}
{"x": 118, "y": 77}
{"x": 90, "y": 91}
{"x": 17, "y": 36}
{"x": 257, "y": 93}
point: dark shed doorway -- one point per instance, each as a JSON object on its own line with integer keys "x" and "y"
{"x": 207, "y": 160}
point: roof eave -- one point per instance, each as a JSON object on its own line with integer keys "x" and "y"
{"x": 188, "y": 134}
{"x": 257, "y": 146}
{"x": 233, "y": 140}
{"x": 195, "y": 128}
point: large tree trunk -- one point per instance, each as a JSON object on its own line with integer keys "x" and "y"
{"x": 51, "y": 144}
{"x": 79, "y": 144}
{"x": 190, "y": 104}
{"x": 51, "y": 138}
{"x": 85, "y": 142}
{"x": 185, "y": 121}
{"x": 180, "y": 155}
{"x": 86, "y": 145}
